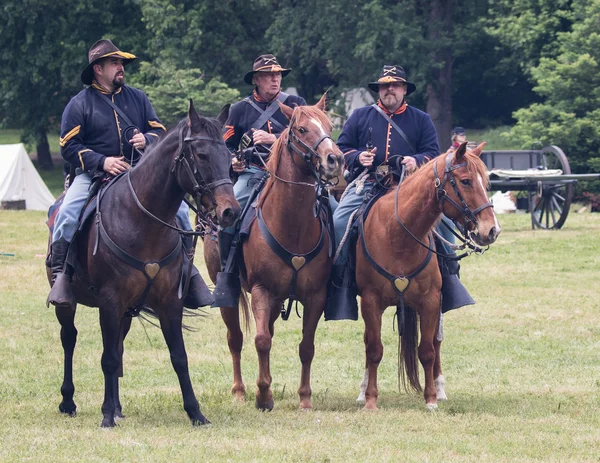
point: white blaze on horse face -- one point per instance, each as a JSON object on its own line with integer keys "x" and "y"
{"x": 496, "y": 224}
{"x": 322, "y": 132}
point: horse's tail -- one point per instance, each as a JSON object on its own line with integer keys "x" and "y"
{"x": 408, "y": 363}
{"x": 245, "y": 309}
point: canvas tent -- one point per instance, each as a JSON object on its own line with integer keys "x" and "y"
{"x": 20, "y": 181}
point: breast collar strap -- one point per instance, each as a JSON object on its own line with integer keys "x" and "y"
{"x": 295, "y": 261}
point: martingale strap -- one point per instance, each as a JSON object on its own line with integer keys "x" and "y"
{"x": 400, "y": 283}
{"x": 295, "y": 261}
{"x": 149, "y": 269}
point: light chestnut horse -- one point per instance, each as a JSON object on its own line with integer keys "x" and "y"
{"x": 455, "y": 184}
{"x": 303, "y": 155}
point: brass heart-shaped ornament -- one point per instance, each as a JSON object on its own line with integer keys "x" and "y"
{"x": 152, "y": 269}
{"x": 298, "y": 262}
{"x": 401, "y": 283}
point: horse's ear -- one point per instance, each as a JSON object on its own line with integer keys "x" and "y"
{"x": 477, "y": 151}
{"x": 460, "y": 152}
{"x": 322, "y": 103}
{"x": 224, "y": 114}
{"x": 193, "y": 119}
{"x": 286, "y": 110}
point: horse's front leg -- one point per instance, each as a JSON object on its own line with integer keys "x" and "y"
{"x": 110, "y": 323}
{"x": 265, "y": 312}
{"x": 313, "y": 309}
{"x": 371, "y": 312}
{"x": 429, "y": 318}
{"x": 125, "y": 327}
{"x": 439, "y": 380}
{"x": 235, "y": 340}
{"x": 171, "y": 326}
{"x": 68, "y": 338}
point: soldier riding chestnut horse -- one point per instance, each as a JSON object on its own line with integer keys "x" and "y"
{"x": 288, "y": 251}
{"x": 397, "y": 266}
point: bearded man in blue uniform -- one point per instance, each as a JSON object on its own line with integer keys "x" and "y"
{"x": 100, "y": 139}
{"x": 393, "y": 128}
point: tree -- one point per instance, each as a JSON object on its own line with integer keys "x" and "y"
{"x": 170, "y": 89}
{"x": 568, "y": 84}
{"x": 43, "y": 49}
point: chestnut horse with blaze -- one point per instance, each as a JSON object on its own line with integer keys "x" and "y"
{"x": 303, "y": 156}
{"x": 455, "y": 184}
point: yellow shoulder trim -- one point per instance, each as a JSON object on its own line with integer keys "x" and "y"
{"x": 81, "y": 158}
{"x": 152, "y": 133}
{"x": 156, "y": 125}
{"x": 63, "y": 141}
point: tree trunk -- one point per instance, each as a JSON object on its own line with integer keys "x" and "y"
{"x": 439, "y": 91}
{"x": 44, "y": 158}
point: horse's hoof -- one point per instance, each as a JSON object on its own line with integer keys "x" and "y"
{"x": 361, "y": 399}
{"x": 306, "y": 406}
{"x": 69, "y": 410}
{"x": 119, "y": 415}
{"x": 371, "y": 406}
{"x": 432, "y": 407}
{"x": 239, "y": 396}
{"x": 441, "y": 395}
{"x": 265, "y": 407}
{"x": 108, "y": 423}
{"x": 200, "y": 421}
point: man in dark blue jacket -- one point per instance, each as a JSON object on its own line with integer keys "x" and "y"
{"x": 96, "y": 139}
{"x": 393, "y": 128}
{"x": 254, "y": 124}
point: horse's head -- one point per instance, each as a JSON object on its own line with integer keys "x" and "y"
{"x": 205, "y": 162}
{"x": 309, "y": 136}
{"x": 462, "y": 191}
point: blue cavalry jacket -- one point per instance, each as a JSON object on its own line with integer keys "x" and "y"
{"x": 242, "y": 115}
{"x": 91, "y": 130}
{"x": 416, "y": 125}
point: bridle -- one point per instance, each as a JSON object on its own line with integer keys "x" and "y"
{"x": 442, "y": 195}
{"x": 309, "y": 152}
{"x": 200, "y": 187}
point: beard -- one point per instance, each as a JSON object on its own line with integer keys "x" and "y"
{"x": 390, "y": 99}
{"x": 119, "y": 80}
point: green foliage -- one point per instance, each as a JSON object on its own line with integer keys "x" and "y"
{"x": 170, "y": 89}
{"x": 569, "y": 84}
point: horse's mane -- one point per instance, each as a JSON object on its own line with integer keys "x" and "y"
{"x": 279, "y": 147}
{"x": 212, "y": 127}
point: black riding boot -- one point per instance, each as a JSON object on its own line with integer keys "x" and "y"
{"x": 198, "y": 294}
{"x": 61, "y": 294}
{"x": 227, "y": 288}
{"x": 341, "y": 294}
{"x": 454, "y": 294}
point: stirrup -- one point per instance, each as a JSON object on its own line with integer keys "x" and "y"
{"x": 61, "y": 294}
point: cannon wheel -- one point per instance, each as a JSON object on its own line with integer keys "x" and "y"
{"x": 550, "y": 204}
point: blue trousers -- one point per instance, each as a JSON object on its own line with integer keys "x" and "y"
{"x": 351, "y": 202}
{"x": 67, "y": 219}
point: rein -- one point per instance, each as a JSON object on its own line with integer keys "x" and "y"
{"x": 294, "y": 260}
{"x": 442, "y": 196}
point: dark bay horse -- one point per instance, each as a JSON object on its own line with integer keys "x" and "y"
{"x": 303, "y": 155}
{"x": 191, "y": 158}
{"x": 454, "y": 184}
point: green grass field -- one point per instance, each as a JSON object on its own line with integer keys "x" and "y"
{"x": 522, "y": 368}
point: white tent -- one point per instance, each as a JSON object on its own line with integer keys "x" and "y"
{"x": 20, "y": 181}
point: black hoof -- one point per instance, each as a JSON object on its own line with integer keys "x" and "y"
{"x": 265, "y": 407}
{"x": 108, "y": 423}
{"x": 119, "y": 415}
{"x": 200, "y": 421}
{"x": 68, "y": 409}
